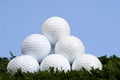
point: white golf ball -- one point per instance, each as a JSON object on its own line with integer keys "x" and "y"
{"x": 70, "y": 47}
{"x": 86, "y": 61}
{"x": 54, "y": 28}
{"x": 36, "y": 45}
{"x": 55, "y": 60}
{"x": 25, "y": 63}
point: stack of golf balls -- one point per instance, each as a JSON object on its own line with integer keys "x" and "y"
{"x": 55, "y": 47}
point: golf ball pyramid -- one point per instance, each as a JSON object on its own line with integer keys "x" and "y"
{"x": 55, "y": 47}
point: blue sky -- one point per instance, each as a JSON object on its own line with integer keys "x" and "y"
{"x": 95, "y": 22}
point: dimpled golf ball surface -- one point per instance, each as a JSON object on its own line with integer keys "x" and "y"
{"x": 54, "y": 28}
{"x": 36, "y": 45}
{"x": 70, "y": 47}
{"x": 25, "y": 63}
{"x": 86, "y": 61}
{"x": 55, "y": 60}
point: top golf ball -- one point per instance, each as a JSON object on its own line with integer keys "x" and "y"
{"x": 36, "y": 45}
{"x": 54, "y": 28}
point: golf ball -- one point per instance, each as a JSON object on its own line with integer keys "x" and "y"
{"x": 70, "y": 47}
{"x": 37, "y": 46}
{"x": 25, "y": 63}
{"x": 55, "y": 60}
{"x": 86, "y": 61}
{"x": 54, "y": 28}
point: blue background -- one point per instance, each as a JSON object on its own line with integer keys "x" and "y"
{"x": 95, "y": 22}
